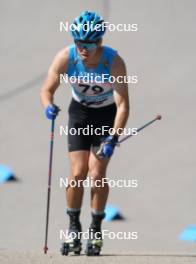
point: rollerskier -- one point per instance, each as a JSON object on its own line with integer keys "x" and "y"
{"x": 99, "y": 103}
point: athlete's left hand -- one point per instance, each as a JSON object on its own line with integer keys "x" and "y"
{"x": 106, "y": 148}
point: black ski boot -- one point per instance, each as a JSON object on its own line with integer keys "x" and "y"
{"x": 73, "y": 244}
{"x": 95, "y": 242}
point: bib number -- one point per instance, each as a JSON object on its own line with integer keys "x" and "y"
{"x": 95, "y": 88}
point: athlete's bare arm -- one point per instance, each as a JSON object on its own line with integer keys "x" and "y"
{"x": 121, "y": 96}
{"x": 58, "y": 66}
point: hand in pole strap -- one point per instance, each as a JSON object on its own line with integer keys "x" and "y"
{"x": 52, "y": 111}
{"x": 107, "y": 147}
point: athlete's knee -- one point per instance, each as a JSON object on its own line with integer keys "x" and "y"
{"x": 79, "y": 173}
{"x": 78, "y": 176}
{"x": 98, "y": 178}
{"x": 96, "y": 173}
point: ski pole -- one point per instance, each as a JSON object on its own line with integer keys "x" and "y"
{"x": 158, "y": 117}
{"x": 49, "y": 184}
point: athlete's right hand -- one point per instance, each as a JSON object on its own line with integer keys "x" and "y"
{"x": 52, "y": 111}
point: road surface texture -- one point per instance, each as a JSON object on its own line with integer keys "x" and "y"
{"x": 161, "y": 158}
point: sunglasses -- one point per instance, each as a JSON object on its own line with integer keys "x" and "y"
{"x": 86, "y": 45}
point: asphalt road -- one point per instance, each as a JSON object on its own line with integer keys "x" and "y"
{"x": 162, "y": 158}
{"x": 37, "y": 258}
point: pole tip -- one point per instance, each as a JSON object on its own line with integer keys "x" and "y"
{"x": 159, "y": 117}
{"x": 45, "y": 250}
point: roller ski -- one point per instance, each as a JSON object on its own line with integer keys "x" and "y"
{"x": 73, "y": 243}
{"x": 95, "y": 241}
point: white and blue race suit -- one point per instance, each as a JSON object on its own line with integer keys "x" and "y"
{"x": 99, "y": 91}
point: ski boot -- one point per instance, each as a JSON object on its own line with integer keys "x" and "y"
{"x": 95, "y": 242}
{"x": 73, "y": 244}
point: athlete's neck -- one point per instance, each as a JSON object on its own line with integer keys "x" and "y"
{"x": 93, "y": 61}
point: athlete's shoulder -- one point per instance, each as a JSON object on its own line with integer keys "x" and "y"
{"x": 60, "y": 61}
{"x": 63, "y": 54}
{"x": 118, "y": 65}
{"x": 118, "y": 60}
{"x": 109, "y": 51}
{"x": 108, "y": 56}
{"x": 72, "y": 54}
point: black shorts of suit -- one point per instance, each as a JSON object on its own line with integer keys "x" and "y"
{"x": 87, "y": 127}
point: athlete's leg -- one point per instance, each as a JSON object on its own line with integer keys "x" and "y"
{"x": 79, "y": 170}
{"x": 100, "y": 190}
{"x": 74, "y": 195}
{"x": 99, "y": 194}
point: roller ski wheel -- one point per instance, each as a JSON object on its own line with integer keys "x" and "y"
{"x": 93, "y": 247}
{"x": 71, "y": 246}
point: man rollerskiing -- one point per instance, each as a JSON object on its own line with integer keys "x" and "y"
{"x": 97, "y": 103}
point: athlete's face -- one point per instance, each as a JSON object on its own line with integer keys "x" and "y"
{"x": 87, "y": 50}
